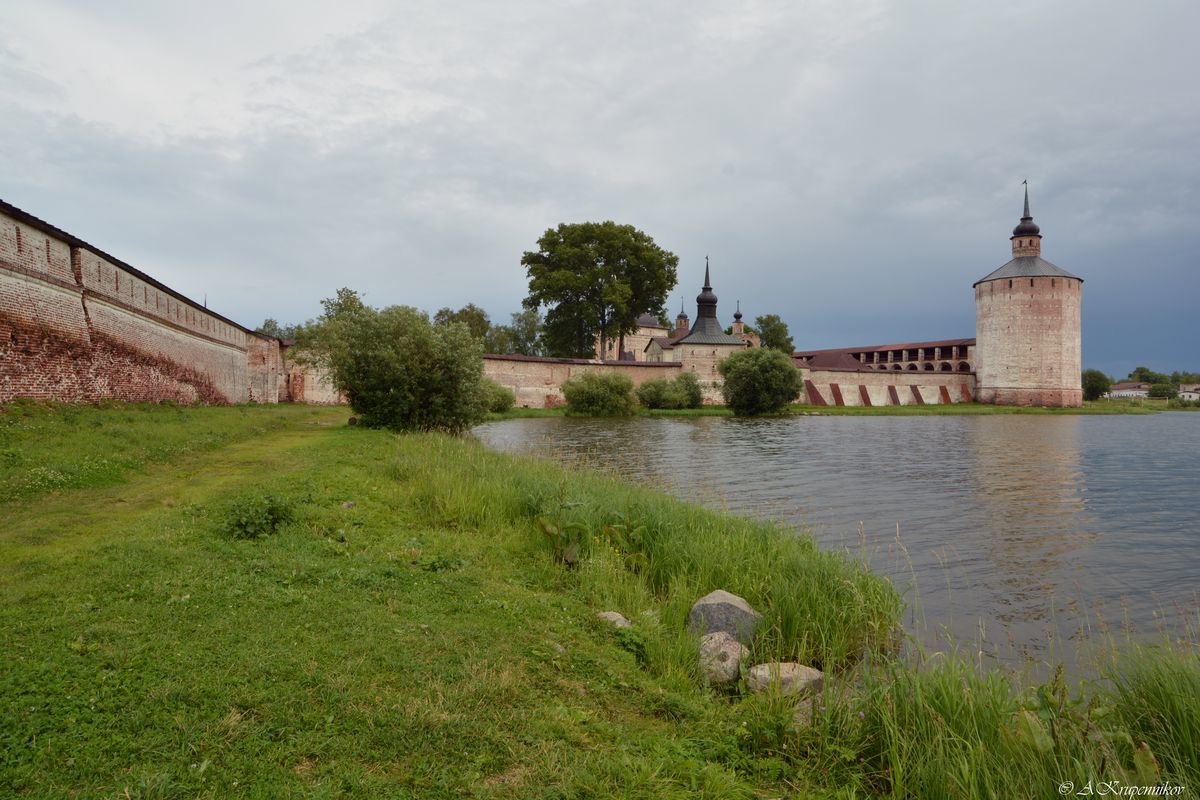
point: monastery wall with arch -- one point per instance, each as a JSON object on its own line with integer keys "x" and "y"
{"x": 537, "y": 382}
{"x": 831, "y": 387}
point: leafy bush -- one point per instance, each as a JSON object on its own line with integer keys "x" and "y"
{"x": 682, "y": 392}
{"x": 659, "y": 393}
{"x": 256, "y": 514}
{"x": 594, "y": 394}
{"x": 689, "y": 386}
{"x": 499, "y": 398}
{"x": 397, "y": 369}
{"x": 759, "y": 381}
{"x": 1167, "y": 390}
{"x": 1095, "y": 384}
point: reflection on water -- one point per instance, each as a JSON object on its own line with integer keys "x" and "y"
{"x": 1009, "y": 532}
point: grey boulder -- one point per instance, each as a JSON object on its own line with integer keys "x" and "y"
{"x": 790, "y": 678}
{"x": 618, "y": 620}
{"x": 721, "y": 657}
{"x": 721, "y": 611}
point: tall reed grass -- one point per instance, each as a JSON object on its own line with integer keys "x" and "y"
{"x": 653, "y": 556}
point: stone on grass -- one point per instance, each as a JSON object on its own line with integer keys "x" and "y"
{"x": 721, "y": 611}
{"x": 791, "y": 678}
{"x": 805, "y": 713}
{"x": 721, "y": 657}
{"x": 618, "y": 620}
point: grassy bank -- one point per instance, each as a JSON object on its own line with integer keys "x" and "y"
{"x": 415, "y": 628}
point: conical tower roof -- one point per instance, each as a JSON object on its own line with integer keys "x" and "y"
{"x": 707, "y": 329}
{"x": 1027, "y": 227}
{"x": 1027, "y": 265}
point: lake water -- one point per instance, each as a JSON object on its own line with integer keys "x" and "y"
{"x": 1013, "y": 535}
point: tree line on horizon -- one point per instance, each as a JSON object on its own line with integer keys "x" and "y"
{"x": 1163, "y": 386}
{"x": 401, "y": 369}
{"x": 594, "y": 280}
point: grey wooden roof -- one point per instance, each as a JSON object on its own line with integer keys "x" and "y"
{"x": 1027, "y": 267}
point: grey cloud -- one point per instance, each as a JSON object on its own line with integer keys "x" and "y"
{"x": 855, "y": 174}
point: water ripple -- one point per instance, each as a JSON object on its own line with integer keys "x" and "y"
{"x": 1014, "y": 533}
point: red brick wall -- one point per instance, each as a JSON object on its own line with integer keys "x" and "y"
{"x": 76, "y": 327}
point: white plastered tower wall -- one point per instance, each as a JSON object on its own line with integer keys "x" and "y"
{"x": 1028, "y": 328}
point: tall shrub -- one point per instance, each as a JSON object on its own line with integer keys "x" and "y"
{"x": 499, "y": 398}
{"x": 396, "y": 369}
{"x": 689, "y": 388}
{"x": 595, "y": 394}
{"x": 681, "y": 392}
{"x": 759, "y": 381}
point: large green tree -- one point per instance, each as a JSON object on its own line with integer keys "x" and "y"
{"x": 1095, "y": 384}
{"x": 596, "y": 279}
{"x": 774, "y": 334}
{"x": 396, "y": 368}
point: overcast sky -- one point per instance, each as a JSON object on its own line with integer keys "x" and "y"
{"x": 851, "y": 166}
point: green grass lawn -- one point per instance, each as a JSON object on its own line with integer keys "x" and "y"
{"x": 406, "y": 634}
{"x": 408, "y": 631}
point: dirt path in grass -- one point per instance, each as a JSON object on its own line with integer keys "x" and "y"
{"x": 66, "y": 515}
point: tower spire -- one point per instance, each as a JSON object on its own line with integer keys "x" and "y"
{"x": 707, "y": 282}
{"x": 1027, "y": 236}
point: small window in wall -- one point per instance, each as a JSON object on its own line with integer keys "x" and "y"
{"x": 1052, "y": 283}
{"x": 1031, "y": 281}
{"x": 1010, "y": 283}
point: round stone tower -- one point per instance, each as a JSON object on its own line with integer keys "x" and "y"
{"x": 1027, "y": 343}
